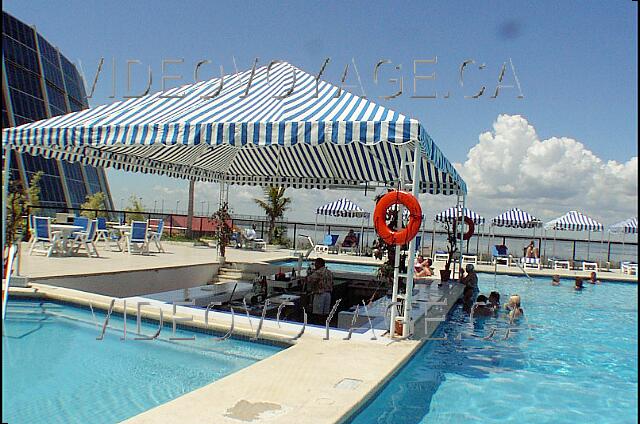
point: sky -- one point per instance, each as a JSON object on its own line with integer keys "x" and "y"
{"x": 566, "y": 139}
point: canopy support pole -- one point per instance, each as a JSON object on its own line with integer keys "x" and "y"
{"x": 588, "y": 243}
{"x": 5, "y": 191}
{"x": 407, "y": 328}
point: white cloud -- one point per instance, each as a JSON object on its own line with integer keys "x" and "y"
{"x": 510, "y": 166}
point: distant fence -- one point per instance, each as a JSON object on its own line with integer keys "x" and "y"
{"x": 613, "y": 251}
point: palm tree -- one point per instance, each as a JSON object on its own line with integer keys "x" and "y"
{"x": 274, "y": 205}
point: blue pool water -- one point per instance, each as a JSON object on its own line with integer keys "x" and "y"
{"x": 333, "y": 266}
{"x": 55, "y": 371}
{"x": 575, "y": 359}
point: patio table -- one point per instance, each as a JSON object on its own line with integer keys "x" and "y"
{"x": 67, "y": 230}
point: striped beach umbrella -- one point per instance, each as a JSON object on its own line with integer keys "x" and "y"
{"x": 628, "y": 226}
{"x": 516, "y": 218}
{"x": 343, "y": 208}
{"x": 454, "y": 212}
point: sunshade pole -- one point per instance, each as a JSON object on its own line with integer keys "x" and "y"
{"x": 588, "y": 242}
{"x": 315, "y": 229}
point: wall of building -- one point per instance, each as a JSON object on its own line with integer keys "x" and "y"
{"x": 38, "y": 82}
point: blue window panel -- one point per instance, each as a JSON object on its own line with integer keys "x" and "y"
{"x": 23, "y": 80}
{"x": 56, "y": 100}
{"x": 27, "y": 106}
{"x": 18, "y": 30}
{"x": 20, "y": 54}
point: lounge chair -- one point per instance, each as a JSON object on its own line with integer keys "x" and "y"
{"x": 44, "y": 235}
{"x": 156, "y": 236}
{"x": 589, "y": 266}
{"x": 440, "y": 256}
{"x": 630, "y": 268}
{"x": 329, "y": 241}
{"x": 500, "y": 255}
{"x": 86, "y": 239}
{"x": 350, "y": 249}
{"x": 533, "y": 263}
{"x": 470, "y": 259}
{"x": 561, "y": 264}
{"x": 137, "y": 238}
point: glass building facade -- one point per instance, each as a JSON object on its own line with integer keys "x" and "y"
{"x": 38, "y": 82}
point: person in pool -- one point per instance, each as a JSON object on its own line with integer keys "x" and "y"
{"x": 593, "y": 278}
{"x": 514, "y": 308}
{"x": 467, "y": 299}
{"x": 579, "y": 285}
{"x": 470, "y": 279}
{"x": 482, "y": 308}
{"x": 555, "y": 280}
{"x": 422, "y": 267}
{"x": 494, "y": 300}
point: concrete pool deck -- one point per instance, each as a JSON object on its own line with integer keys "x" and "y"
{"x": 312, "y": 381}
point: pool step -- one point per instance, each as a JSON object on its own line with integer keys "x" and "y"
{"x": 227, "y": 274}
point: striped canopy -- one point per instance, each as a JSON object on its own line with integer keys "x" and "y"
{"x": 628, "y": 226}
{"x": 452, "y": 213}
{"x": 516, "y": 218}
{"x": 269, "y": 125}
{"x": 574, "y": 221}
{"x": 342, "y": 207}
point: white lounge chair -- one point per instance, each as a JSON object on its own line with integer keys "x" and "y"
{"x": 328, "y": 243}
{"x": 630, "y": 268}
{"x": 533, "y": 263}
{"x": 561, "y": 264}
{"x": 589, "y": 266}
{"x": 470, "y": 259}
{"x": 440, "y": 257}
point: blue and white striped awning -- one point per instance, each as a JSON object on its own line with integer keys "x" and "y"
{"x": 343, "y": 208}
{"x": 454, "y": 212}
{"x": 574, "y": 221}
{"x": 628, "y": 226}
{"x": 272, "y": 125}
{"x": 516, "y": 218}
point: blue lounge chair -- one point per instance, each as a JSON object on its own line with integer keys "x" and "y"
{"x": 86, "y": 239}
{"x": 102, "y": 232}
{"x": 500, "y": 255}
{"x": 329, "y": 242}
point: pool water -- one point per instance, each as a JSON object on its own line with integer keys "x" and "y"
{"x": 574, "y": 359}
{"x": 332, "y": 266}
{"x": 55, "y": 371}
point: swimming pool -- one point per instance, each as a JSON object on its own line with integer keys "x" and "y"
{"x": 333, "y": 266}
{"x": 55, "y": 371}
{"x": 574, "y": 360}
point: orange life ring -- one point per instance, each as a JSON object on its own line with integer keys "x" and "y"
{"x": 470, "y": 230}
{"x": 415, "y": 217}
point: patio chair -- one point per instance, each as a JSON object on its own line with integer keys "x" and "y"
{"x": 86, "y": 239}
{"x": 589, "y": 266}
{"x": 137, "y": 238}
{"x": 80, "y": 221}
{"x": 333, "y": 246}
{"x": 102, "y": 232}
{"x": 329, "y": 241}
{"x": 500, "y": 255}
{"x": 156, "y": 236}
{"x": 561, "y": 264}
{"x": 44, "y": 235}
{"x": 32, "y": 231}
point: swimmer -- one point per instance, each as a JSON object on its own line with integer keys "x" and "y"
{"x": 555, "y": 280}
{"x": 515, "y": 311}
{"x": 579, "y": 285}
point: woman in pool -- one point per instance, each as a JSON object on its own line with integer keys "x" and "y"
{"x": 515, "y": 311}
{"x": 555, "y": 280}
{"x": 579, "y": 285}
{"x": 593, "y": 279}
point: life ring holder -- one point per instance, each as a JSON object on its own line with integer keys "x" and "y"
{"x": 406, "y": 234}
{"x": 470, "y": 229}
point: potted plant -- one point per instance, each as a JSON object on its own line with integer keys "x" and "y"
{"x": 452, "y": 248}
{"x": 224, "y": 229}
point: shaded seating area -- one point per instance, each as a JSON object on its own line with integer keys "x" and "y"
{"x": 574, "y": 221}
{"x": 342, "y": 208}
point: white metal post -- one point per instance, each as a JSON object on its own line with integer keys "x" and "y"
{"x": 5, "y": 191}
{"x": 415, "y": 189}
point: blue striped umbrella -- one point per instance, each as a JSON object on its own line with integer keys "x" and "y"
{"x": 628, "y": 226}
{"x": 574, "y": 221}
{"x": 343, "y": 208}
{"x": 270, "y": 125}
{"x": 516, "y": 218}
{"x": 454, "y": 212}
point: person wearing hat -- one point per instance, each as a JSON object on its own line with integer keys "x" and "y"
{"x": 555, "y": 280}
{"x": 470, "y": 279}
